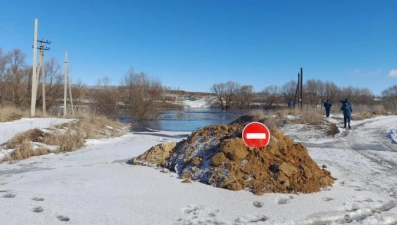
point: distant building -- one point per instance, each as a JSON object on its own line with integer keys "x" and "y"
{"x": 171, "y": 97}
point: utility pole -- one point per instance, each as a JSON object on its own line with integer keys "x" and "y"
{"x": 296, "y": 97}
{"x": 42, "y": 68}
{"x": 65, "y": 84}
{"x": 70, "y": 93}
{"x": 36, "y": 71}
{"x": 34, "y": 90}
{"x": 301, "y": 98}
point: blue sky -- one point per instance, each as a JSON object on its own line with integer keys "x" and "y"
{"x": 192, "y": 45}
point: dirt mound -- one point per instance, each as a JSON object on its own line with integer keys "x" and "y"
{"x": 216, "y": 155}
{"x": 156, "y": 155}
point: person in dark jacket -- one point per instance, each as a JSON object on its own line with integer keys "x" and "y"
{"x": 291, "y": 104}
{"x": 347, "y": 112}
{"x": 327, "y": 106}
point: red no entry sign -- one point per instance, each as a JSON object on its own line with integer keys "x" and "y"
{"x": 256, "y": 135}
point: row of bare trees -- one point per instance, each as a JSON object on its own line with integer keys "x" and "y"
{"x": 15, "y": 81}
{"x": 315, "y": 92}
{"x": 138, "y": 93}
{"x": 232, "y": 94}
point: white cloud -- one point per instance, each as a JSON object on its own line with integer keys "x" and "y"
{"x": 392, "y": 73}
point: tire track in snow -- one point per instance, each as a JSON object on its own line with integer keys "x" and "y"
{"x": 375, "y": 146}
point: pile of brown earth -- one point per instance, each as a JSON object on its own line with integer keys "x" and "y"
{"x": 216, "y": 155}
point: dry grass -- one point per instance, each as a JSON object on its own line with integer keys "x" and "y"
{"x": 35, "y": 135}
{"x": 362, "y": 112}
{"x": 100, "y": 126}
{"x": 306, "y": 116}
{"x": 279, "y": 117}
{"x": 9, "y": 113}
{"x": 67, "y": 137}
{"x": 257, "y": 115}
{"x": 271, "y": 121}
{"x": 283, "y": 113}
{"x": 25, "y": 150}
{"x": 311, "y": 116}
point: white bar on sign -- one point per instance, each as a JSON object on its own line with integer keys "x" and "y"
{"x": 256, "y": 135}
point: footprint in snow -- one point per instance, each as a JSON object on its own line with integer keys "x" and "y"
{"x": 9, "y": 195}
{"x": 258, "y": 204}
{"x": 193, "y": 209}
{"x": 38, "y": 199}
{"x": 284, "y": 199}
{"x": 38, "y": 209}
{"x": 63, "y": 218}
{"x": 326, "y": 199}
{"x": 198, "y": 214}
{"x": 248, "y": 219}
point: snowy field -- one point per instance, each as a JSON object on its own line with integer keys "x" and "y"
{"x": 95, "y": 185}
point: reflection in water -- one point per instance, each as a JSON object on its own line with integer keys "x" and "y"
{"x": 188, "y": 120}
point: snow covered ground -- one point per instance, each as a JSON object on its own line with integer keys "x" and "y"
{"x": 199, "y": 103}
{"x": 10, "y": 129}
{"x": 95, "y": 185}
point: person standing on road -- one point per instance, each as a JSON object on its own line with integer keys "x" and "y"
{"x": 347, "y": 112}
{"x": 327, "y": 106}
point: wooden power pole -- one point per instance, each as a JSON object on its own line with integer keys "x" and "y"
{"x": 42, "y": 71}
{"x": 36, "y": 71}
{"x": 65, "y": 84}
{"x": 66, "y": 87}
{"x": 34, "y": 75}
{"x": 301, "y": 95}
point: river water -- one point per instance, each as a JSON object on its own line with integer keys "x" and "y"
{"x": 189, "y": 119}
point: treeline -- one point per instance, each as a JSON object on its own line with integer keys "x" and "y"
{"x": 315, "y": 92}
{"x": 141, "y": 97}
{"x": 138, "y": 94}
{"x": 16, "y": 82}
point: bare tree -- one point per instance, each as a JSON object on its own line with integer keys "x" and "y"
{"x": 331, "y": 91}
{"x": 269, "y": 96}
{"x": 104, "y": 99}
{"x": 54, "y": 84}
{"x": 15, "y": 74}
{"x": 347, "y": 92}
{"x": 245, "y": 95}
{"x": 289, "y": 90}
{"x": 314, "y": 90}
{"x": 3, "y": 64}
{"x": 231, "y": 93}
{"x": 80, "y": 91}
{"x": 104, "y": 82}
{"x": 226, "y": 93}
{"x": 219, "y": 91}
{"x": 389, "y": 95}
{"x": 364, "y": 96}
{"x": 142, "y": 93}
